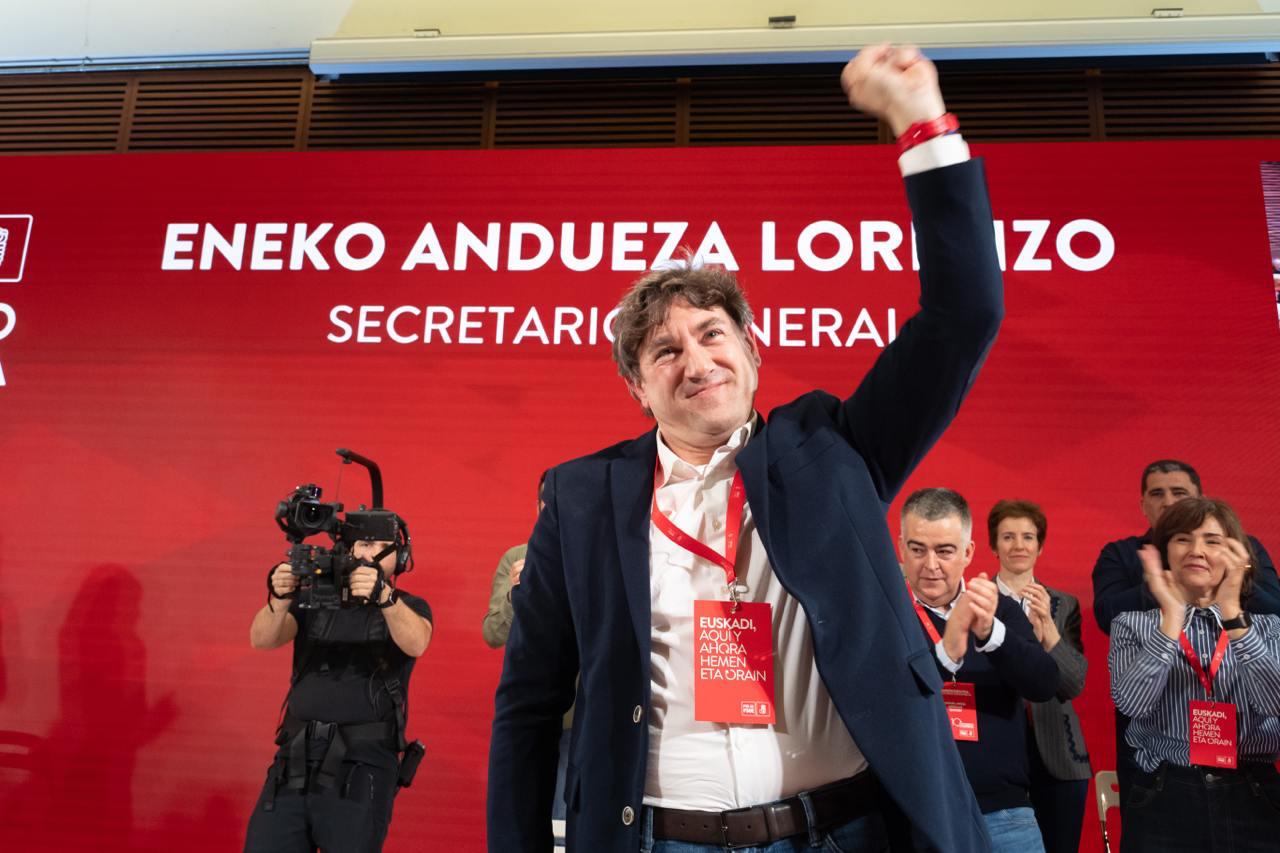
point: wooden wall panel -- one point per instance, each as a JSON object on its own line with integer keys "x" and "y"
{"x": 396, "y": 115}
{"x": 1016, "y": 106}
{"x": 287, "y": 108}
{"x": 1193, "y": 103}
{"x": 64, "y": 113}
{"x": 243, "y": 111}
{"x": 803, "y": 110}
{"x": 585, "y": 114}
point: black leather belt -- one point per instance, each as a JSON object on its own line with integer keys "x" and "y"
{"x": 833, "y": 805}
{"x": 1249, "y": 771}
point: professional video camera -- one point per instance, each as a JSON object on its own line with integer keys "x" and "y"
{"x": 324, "y": 573}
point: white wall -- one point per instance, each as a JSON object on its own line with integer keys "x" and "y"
{"x": 45, "y": 31}
{"x": 68, "y": 32}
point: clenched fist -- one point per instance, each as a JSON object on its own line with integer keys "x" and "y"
{"x": 897, "y": 84}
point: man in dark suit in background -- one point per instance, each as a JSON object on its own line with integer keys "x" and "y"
{"x": 751, "y": 666}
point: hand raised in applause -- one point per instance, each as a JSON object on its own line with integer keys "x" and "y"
{"x": 1235, "y": 556}
{"x": 982, "y": 596}
{"x": 955, "y": 637}
{"x": 1173, "y": 607}
{"x": 1041, "y": 615}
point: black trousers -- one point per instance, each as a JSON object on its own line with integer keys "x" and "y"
{"x": 350, "y": 816}
{"x": 1126, "y": 761}
{"x": 1202, "y": 810}
{"x": 1059, "y": 804}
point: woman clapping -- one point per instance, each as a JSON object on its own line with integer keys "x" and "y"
{"x": 1056, "y": 753}
{"x": 1201, "y": 679}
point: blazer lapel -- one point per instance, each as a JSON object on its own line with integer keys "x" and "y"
{"x": 753, "y": 463}
{"x": 631, "y": 490}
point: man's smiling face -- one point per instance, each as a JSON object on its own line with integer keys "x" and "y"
{"x": 698, "y": 376}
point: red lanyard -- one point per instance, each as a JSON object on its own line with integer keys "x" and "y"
{"x": 924, "y": 617}
{"x": 733, "y": 523}
{"x": 1218, "y": 654}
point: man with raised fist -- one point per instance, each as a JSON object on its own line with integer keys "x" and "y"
{"x": 752, "y": 673}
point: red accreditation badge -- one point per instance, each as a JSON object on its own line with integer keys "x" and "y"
{"x": 962, "y": 709}
{"x": 1213, "y": 734}
{"x": 733, "y": 662}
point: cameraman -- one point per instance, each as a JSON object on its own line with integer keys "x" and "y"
{"x": 337, "y": 770}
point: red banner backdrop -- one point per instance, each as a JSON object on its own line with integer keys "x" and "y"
{"x": 186, "y": 338}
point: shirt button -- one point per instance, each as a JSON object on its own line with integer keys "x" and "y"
{"x": 637, "y": 714}
{"x": 628, "y": 816}
{"x": 717, "y": 524}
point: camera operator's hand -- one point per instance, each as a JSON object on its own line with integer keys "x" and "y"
{"x": 283, "y": 581}
{"x": 274, "y": 625}
{"x": 363, "y": 582}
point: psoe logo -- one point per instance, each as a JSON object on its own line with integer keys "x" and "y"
{"x": 15, "y": 234}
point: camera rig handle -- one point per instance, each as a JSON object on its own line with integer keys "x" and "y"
{"x": 375, "y": 473}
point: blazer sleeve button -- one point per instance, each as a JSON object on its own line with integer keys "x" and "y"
{"x": 628, "y": 815}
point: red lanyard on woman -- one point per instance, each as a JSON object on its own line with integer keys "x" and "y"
{"x": 1206, "y": 678}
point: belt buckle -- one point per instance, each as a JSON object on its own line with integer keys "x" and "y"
{"x": 759, "y": 813}
{"x": 322, "y": 731}
{"x": 780, "y": 821}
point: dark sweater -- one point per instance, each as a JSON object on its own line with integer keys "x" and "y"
{"x": 1019, "y": 670}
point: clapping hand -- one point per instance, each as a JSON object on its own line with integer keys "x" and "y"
{"x": 983, "y": 595}
{"x": 1236, "y": 557}
{"x": 1041, "y": 615}
{"x": 1173, "y": 607}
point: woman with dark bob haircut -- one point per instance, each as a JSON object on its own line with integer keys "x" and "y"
{"x": 1200, "y": 676}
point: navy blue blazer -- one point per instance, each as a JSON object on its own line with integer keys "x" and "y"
{"x": 820, "y": 476}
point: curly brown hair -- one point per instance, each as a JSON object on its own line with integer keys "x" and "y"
{"x": 644, "y": 307}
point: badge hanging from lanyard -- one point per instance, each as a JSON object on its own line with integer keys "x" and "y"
{"x": 733, "y": 640}
{"x": 958, "y": 696}
{"x": 1212, "y": 724}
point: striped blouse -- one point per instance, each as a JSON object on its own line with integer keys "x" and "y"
{"x": 1152, "y": 682}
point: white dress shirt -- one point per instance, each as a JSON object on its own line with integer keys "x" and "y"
{"x": 718, "y": 766}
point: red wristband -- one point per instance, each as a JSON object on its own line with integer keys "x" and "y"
{"x": 923, "y": 131}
